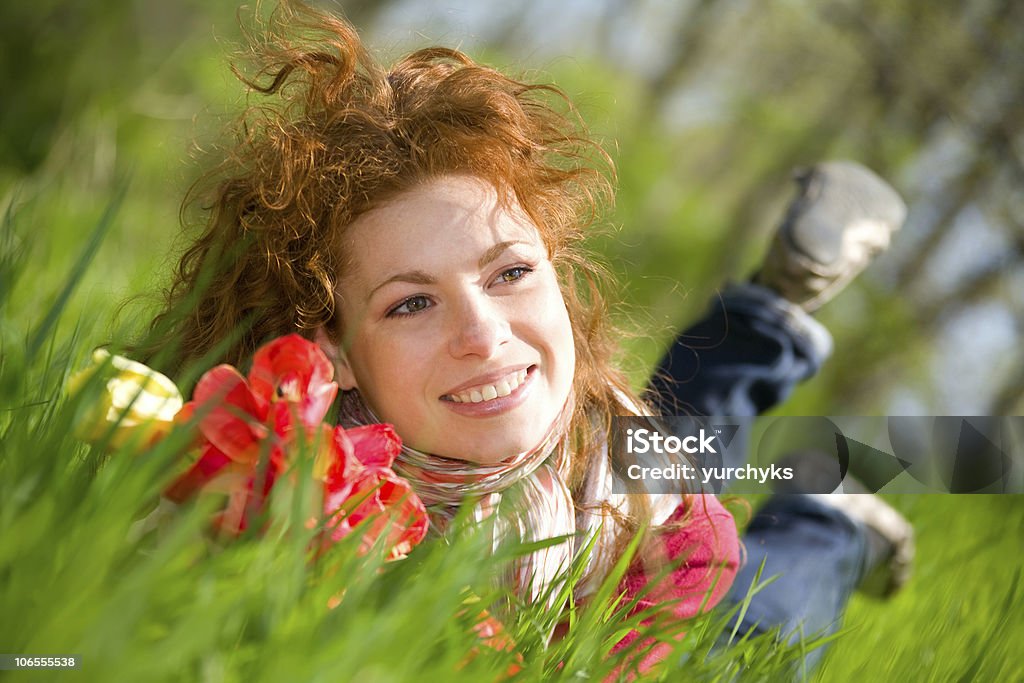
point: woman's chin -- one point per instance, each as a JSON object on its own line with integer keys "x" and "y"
{"x": 488, "y": 455}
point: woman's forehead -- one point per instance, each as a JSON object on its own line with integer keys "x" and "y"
{"x": 436, "y": 220}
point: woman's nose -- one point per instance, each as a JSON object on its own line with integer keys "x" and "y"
{"x": 479, "y": 329}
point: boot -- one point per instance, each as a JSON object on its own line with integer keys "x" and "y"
{"x": 842, "y": 217}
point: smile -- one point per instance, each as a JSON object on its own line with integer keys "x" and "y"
{"x": 492, "y": 394}
{"x": 481, "y": 393}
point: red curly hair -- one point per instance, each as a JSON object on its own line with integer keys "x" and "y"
{"x": 342, "y": 134}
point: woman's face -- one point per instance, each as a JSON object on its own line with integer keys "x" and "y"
{"x": 455, "y": 327}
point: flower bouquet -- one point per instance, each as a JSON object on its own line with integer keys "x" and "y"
{"x": 248, "y": 433}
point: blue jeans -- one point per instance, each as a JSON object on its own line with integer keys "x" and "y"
{"x": 817, "y": 555}
{"x": 744, "y": 357}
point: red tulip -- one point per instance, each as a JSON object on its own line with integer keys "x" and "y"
{"x": 243, "y": 422}
{"x": 294, "y": 372}
{"x": 214, "y": 472}
{"x": 290, "y": 380}
{"x": 362, "y": 492}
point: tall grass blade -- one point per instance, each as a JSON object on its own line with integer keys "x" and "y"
{"x": 38, "y": 338}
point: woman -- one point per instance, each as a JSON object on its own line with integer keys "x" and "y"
{"x": 424, "y": 224}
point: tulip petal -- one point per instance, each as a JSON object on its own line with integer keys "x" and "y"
{"x": 231, "y": 417}
{"x": 295, "y": 370}
{"x": 317, "y": 402}
{"x": 203, "y": 471}
{"x": 379, "y": 504}
{"x": 134, "y": 404}
{"x": 375, "y": 445}
{"x": 344, "y": 466}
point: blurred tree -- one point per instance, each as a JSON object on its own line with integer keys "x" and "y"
{"x": 56, "y": 57}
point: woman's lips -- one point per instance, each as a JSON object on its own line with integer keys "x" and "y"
{"x": 488, "y": 391}
{"x": 504, "y": 393}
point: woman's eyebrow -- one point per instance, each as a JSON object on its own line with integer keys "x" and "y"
{"x": 416, "y": 277}
{"x": 495, "y": 251}
{"x": 419, "y": 277}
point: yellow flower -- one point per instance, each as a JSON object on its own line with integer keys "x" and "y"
{"x": 136, "y": 403}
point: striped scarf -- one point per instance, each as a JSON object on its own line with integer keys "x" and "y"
{"x": 535, "y": 501}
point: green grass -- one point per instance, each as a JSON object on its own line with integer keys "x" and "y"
{"x": 77, "y": 576}
{"x": 959, "y": 617}
{"x": 83, "y": 574}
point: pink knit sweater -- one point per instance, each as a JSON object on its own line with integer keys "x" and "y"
{"x": 699, "y": 540}
{"x": 708, "y": 545}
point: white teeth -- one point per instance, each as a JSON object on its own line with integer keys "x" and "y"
{"x": 489, "y": 392}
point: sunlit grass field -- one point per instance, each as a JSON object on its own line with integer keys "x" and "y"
{"x": 86, "y": 242}
{"x": 172, "y": 604}
{"x": 94, "y": 568}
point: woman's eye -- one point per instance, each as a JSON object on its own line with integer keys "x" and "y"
{"x": 513, "y": 274}
{"x": 410, "y": 306}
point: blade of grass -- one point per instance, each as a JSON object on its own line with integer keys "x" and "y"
{"x": 38, "y": 337}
